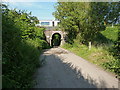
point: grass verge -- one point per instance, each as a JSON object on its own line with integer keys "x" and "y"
{"x": 98, "y": 56}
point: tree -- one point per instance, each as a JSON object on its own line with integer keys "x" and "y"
{"x": 22, "y": 42}
{"x": 112, "y": 16}
{"x": 83, "y": 19}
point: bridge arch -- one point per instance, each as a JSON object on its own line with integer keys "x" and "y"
{"x": 50, "y": 33}
{"x": 60, "y": 33}
{"x": 56, "y": 39}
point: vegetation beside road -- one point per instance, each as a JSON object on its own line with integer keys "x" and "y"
{"x": 104, "y": 55}
{"x": 22, "y": 43}
{"x": 86, "y": 24}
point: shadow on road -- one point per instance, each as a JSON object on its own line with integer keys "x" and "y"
{"x": 58, "y": 73}
{"x": 78, "y": 77}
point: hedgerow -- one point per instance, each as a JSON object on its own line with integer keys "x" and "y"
{"x": 22, "y": 43}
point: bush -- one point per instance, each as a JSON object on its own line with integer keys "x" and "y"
{"x": 113, "y": 66}
{"x": 22, "y": 45}
{"x": 20, "y": 70}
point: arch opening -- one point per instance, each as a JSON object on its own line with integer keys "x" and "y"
{"x": 56, "y": 39}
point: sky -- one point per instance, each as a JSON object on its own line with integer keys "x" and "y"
{"x": 42, "y": 10}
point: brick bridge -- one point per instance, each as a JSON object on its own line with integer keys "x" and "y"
{"x": 49, "y": 32}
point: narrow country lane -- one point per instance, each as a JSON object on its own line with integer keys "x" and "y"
{"x": 64, "y": 69}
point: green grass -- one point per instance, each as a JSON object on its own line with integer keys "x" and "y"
{"x": 98, "y": 55}
{"x": 111, "y": 33}
{"x": 95, "y": 55}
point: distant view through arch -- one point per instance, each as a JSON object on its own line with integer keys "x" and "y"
{"x": 56, "y": 39}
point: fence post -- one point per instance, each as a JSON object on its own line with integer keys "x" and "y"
{"x": 90, "y": 45}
